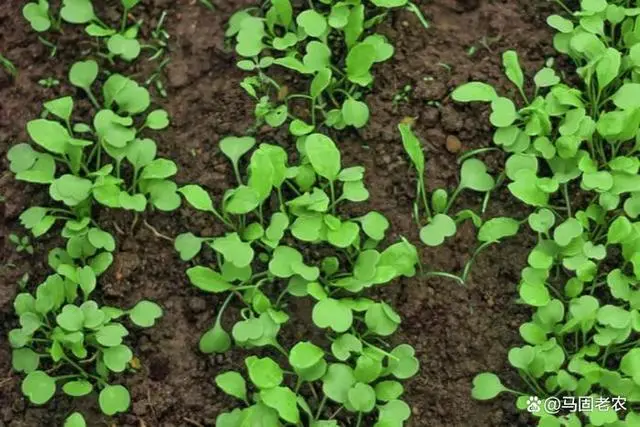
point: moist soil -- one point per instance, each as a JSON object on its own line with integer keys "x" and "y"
{"x": 457, "y": 331}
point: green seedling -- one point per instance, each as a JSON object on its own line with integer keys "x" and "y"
{"x": 402, "y": 96}
{"x": 582, "y": 274}
{"x": 261, "y": 264}
{"x": 207, "y": 4}
{"x": 66, "y": 340}
{"x": 120, "y": 42}
{"x": 301, "y": 43}
{"x": 8, "y": 66}
{"x": 22, "y": 244}
{"x": 84, "y": 164}
{"x": 23, "y": 281}
{"x": 49, "y": 82}
{"x": 441, "y": 223}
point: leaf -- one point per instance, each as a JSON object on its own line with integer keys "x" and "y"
{"x": 233, "y": 384}
{"x": 77, "y": 11}
{"x": 75, "y": 420}
{"x": 83, "y": 73}
{"x": 314, "y": 23}
{"x": 320, "y": 82}
{"x": 512, "y": 68}
{"x": 498, "y": 228}
{"x": 332, "y": 313}
{"x": 503, "y": 112}
{"x": 21, "y": 157}
{"x": 283, "y": 400}
{"x": 323, "y": 155}
{"x": 413, "y": 147}
{"x": 157, "y": 119}
{"x": 608, "y": 67}
{"x": 207, "y": 279}
{"x": 362, "y": 397}
{"x": 188, "y": 245}
{"x": 486, "y": 386}
{"x": 627, "y": 97}
{"x": 355, "y": 113}
{"x": 337, "y": 382}
{"x": 114, "y": 399}
{"x": 474, "y": 176}
{"x": 264, "y": 372}
{"x": 197, "y": 197}
{"x": 242, "y": 200}
{"x": 359, "y": 61}
{"x": 39, "y": 387}
{"x": 61, "y": 107}
{"x": 305, "y": 355}
{"x": 71, "y": 318}
{"x": 474, "y": 91}
{"x": 567, "y": 231}
{"x": 439, "y": 228}
{"x": 159, "y": 169}
{"x": 546, "y": 77}
{"x": 117, "y": 358}
{"x": 374, "y": 224}
{"x": 215, "y": 340}
{"x": 50, "y": 135}
{"x": 145, "y": 313}
{"x": 38, "y": 15}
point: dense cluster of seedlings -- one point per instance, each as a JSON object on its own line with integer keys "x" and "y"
{"x": 582, "y": 275}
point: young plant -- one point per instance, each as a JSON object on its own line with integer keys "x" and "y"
{"x": 440, "y": 222}
{"x": 22, "y": 244}
{"x": 583, "y": 273}
{"x": 267, "y": 263}
{"x": 66, "y": 340}
{"x": 8, "y": 66}
{"x": 119, "y": 42}
{"x": 49, "y": 82}
{"x": 305, "y": 42}
{"x": 86, "y": 164}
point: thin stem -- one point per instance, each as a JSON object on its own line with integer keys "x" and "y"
{"x": 453, "y": 198}
{"x": 444, "y": 274}
{"x": 321, "y": 407}
{"x": 565, "y": 191}
{"x": 92, "y": 98}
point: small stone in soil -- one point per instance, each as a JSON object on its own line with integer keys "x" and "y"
{"x": 453, "y": 144}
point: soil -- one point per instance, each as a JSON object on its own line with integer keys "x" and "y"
{"x": 457, "y": 331}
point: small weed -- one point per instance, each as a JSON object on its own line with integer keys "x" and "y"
{"x": 49, "y": 82}
{"x": 8, "y": 66}
{"x": 22, "y": 244}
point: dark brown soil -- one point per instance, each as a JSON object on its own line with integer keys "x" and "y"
{"x": 456, "y": 331}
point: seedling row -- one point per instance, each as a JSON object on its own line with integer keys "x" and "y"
{"x": 288, "y": 238}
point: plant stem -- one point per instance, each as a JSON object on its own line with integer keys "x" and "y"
{"x": 321, "y": 407}
{"x": 359, "y": 419}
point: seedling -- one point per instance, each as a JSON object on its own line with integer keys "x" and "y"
{"x": 49, "y": 82}
{"x": 259, "y": 263}
{"x": 583, "y": 272}
{"x": 402, "y": 96}
{"x": 84, "y": 164}
{"x": 22, "y": 244}
{"x": 441, "y": 224}
{"x": 119, "y": 42}
{"x": 8, "y": 66}
{"x": 301, "y": 43}
{"x": 68, "y": 341}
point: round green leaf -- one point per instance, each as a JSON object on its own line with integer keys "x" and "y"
{"x": 39, "y": 387}
{"x": 114, "y": 399}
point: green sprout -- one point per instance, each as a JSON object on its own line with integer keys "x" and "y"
{"x": 22, "y": 244}
{"x": 8, "y": 66}
{"x": 49, "y": 82}
{"x": 259, "y": 264}
{"x": 85, "y": 164}
{"x": 68, "y": 341}
{"x": 582, "y": 274}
